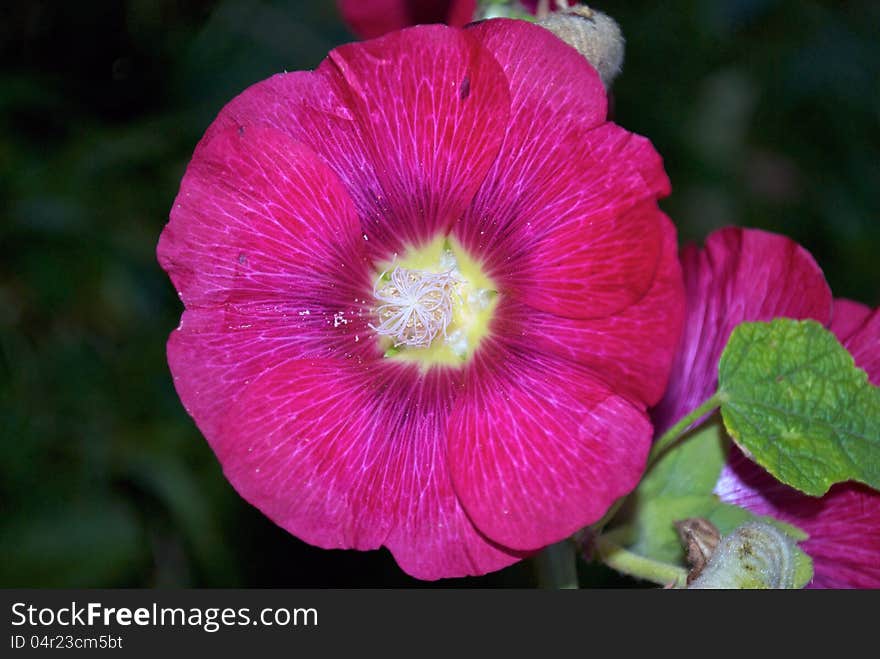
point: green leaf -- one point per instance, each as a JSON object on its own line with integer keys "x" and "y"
{"x": 794, "y": 401}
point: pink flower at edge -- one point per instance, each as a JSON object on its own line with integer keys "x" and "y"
{"x": 750, "y": 275}
{"x": 496, "y": 137}
{"x": 373, "y": 18}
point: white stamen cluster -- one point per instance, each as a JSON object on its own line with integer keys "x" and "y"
{"x": 417, "y": 305}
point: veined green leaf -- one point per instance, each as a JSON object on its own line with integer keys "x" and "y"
{"x": 794, "y": 401}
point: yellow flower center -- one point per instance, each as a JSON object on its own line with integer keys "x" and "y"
{"x": 433, "y": 306}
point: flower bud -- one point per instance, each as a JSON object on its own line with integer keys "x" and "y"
{"x": 754, "y": 555}
{"x": 594, "y": 35}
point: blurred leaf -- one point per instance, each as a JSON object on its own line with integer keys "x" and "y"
{"x": 89, "y": 544}
{"x": 690, "y": 468}
{"x": 194, "y": 516}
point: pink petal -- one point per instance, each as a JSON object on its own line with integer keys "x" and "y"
{"x": 374, "y": 18}
{"x": 347, "y": 456}
{"x": 260, "y": 217}
{"x": 216, "y": 352}
{"x": 588, "y": 264}
{"x": 858, "y": 328}
{"x": 307, "y": 107}
{"x": 538, "y": 448}
{"x": 847, "y": 317}
{"x": 460, "y": 13}
{"x": 410, "y": 137}
{"x": 432, "y": 125}
{"x": 630, "y": 351}
{"x": 844, "y": 525}
{"x": 264, "y": 247}
{"x": 568, "y": 92}
{"x": 563, "y": 178}
{"x": 547, "y": 113}
{"x": 742, "y": 275}
{"x": 864, "y": 345}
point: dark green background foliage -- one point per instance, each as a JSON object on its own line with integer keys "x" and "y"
{"x": 766, "y": 113}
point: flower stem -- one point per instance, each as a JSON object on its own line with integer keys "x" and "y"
{"x": 626, "y": 562}
{"x": 557, "y": 566}
{"x": 676, "y": 432}
{"x": 608, "y": 516}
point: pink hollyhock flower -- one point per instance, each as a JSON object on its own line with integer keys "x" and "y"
{"x": 373, "y": 18}
{"x": 749, "y": 275}
{"x": 429, "y": 295}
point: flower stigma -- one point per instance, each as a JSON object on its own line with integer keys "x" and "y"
{"x": 433, "y": 306}
{"x": 417, "y": 305}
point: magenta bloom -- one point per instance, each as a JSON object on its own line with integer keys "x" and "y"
{"x": 429, "y": 295}
{"x": 750, "y": 275}
{"x": 373, "y": 18}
